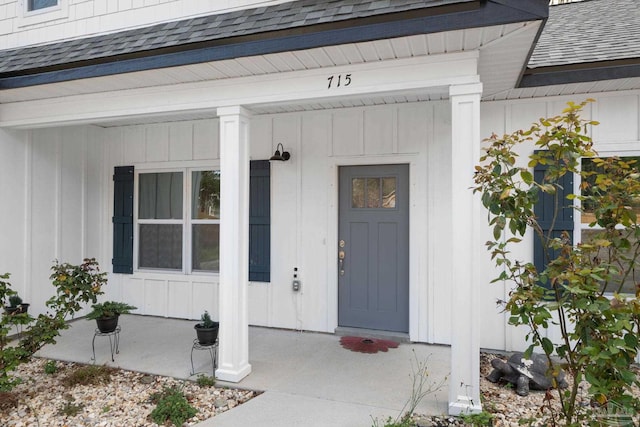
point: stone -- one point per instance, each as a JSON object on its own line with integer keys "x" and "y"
{"x": 525, "y": 374}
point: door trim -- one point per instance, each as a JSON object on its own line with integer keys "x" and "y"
{"x": 418, "y": 298}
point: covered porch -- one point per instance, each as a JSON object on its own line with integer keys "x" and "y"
{"x": 405, "y": 90}
{"x": 306, "y": 377}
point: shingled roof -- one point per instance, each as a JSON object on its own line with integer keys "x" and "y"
{"x": 587, "y": 41}
{"x": 290, "y": 16}
{"x": 589, "y": 31}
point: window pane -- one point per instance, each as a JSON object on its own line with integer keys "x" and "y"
{"x": 373, "y": 192}
{"x": 587, "y": 208}
{"x": 41, "y": 4}
{"x": 160, "y": 246}
{"x": 160, "y": 195}
{"x": 629, "y": 285}
{"x": 206, "y": 247}
{"x": 205, "y": 200}
{"x": 389, "y": 193}
{"x": 357, "y": 193}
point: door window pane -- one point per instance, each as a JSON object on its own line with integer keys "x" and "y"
{"x": 160, "y": 246}
{"x": 389, "y": 193}
{"x": 357, "y": 193}
{"x": 373, "y": 192}
{"x": 160, "y": 195}
{"x": 205, "y": 200}
{"x": 206, "y": 247}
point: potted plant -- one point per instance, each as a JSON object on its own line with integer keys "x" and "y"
{"x": 107, "y": 313}
{"x": 207, "y": 330}
{"x": 16, "y": 305}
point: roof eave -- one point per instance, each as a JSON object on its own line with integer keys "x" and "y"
{"x": 475, "y": 14}
{"x": 580, "y": 73}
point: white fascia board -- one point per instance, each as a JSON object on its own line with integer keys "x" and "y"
{"x": 401, "y": 75}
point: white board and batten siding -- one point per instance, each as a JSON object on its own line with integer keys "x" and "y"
{"x": 61, "y": 192}
{"x": 304, "y": 207}
{"x": 81, "y": 18}
{"x": 617, "y": 134}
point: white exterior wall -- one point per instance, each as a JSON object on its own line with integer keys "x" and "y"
{"x": 13, "y": 215}
{"x": 49, "y": 211}
{"x": 80, "y": 18}
{"x": 304, "y": 208}
{"x": 58, "y": 186}
{"x": 617, "y": 134}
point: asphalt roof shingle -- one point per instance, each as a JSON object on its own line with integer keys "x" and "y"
{"x": 209, "y": 28}
{"x": 589, "y": 31}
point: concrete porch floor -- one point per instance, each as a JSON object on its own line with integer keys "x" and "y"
{"x": 307, "y": 378}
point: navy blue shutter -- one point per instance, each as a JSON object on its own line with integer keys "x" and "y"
{"x": 544, "y": 211}
{"x": 260, "y": 221}
{"x": 123, "y": 220}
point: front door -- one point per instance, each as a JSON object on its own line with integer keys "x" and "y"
{"x": 373, "y": 247}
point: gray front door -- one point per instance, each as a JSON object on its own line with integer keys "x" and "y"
{"x": 373, "y": 247}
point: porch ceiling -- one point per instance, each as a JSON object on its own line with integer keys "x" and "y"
{"x": 499, "y": 70}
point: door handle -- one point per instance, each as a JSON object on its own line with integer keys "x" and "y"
{"x": 341, "y": 262}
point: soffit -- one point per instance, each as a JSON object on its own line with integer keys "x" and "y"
{"x": 498, "y": 71}
{"x": 578, "y": 89}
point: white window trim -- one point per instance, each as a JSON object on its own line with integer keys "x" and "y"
{"x": 28, "y": 17}
{"x": 186, "y": 221}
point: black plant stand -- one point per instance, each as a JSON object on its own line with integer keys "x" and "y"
{"x": 114, "y": 341}
{"x": 213, "y": 352}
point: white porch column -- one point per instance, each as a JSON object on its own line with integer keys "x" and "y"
{"x": 233, "y": 354}
{"x": 464, "y": 383}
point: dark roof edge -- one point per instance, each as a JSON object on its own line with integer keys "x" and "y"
{"x": 581, "y": 73}
{"x": 484, "y": 13}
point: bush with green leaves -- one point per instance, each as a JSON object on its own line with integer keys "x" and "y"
{"x": 50, "y": 367}
{"x": 75, "y": 285}
{"x": 478, "y": 419}
{"x": 171, "y": 405}
{"x": 109, "y": 309}
{"x": 205, "y": 381}
{"x": 579, "y": 292}
{"x": 206, "y": 321}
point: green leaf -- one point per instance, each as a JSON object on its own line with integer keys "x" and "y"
{"x": 526, "y": 176}
{"x": 547, "y": 345}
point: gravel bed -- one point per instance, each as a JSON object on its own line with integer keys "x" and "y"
{"x": 124, "y": 401}
{"x": 508, "y": 408}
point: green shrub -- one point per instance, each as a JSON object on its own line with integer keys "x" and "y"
{"x": 205, "y": 381}
{"x": 75, "y": 285}
{"x": 88, "y": 374}
{"x": 597, "y": 333}
{"x": 480, "y": 419}
{"x": 171, "y": 405}
{"x": 50, "y": 367}
{"x": 70, "y": 409}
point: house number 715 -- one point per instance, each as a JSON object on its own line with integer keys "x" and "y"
{"x": 339, "y": 80}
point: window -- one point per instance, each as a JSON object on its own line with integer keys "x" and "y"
{"x": 373, "y": 193}
{"x": 178, "y": 218}
{"x": 36, "y": 12}
{"x": 40, "y": 4}
{"x": 205, "y": 221}
{"x": 171, "y": 219}
{"x": 588, "y": 217}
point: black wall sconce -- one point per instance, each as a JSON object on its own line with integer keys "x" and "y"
{"x": 280, "y": 155}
